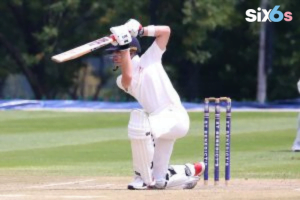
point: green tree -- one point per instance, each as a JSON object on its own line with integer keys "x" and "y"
{"x": 286, "y": 60}
{"x": 33, "y": 31}
{"x": 191, "y": 44}
{"x": 212, "y": 51}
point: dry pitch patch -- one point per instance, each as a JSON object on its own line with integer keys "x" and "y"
{"x": 50, "y": 187}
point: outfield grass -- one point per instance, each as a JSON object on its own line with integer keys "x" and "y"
{"x": 80, "y": 144}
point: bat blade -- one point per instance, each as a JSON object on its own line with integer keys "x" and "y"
{"x": 82, "y": 50}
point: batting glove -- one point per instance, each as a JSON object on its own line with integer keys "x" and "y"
{"x": 134, "y": 27}
{"x": 122, "y": 36}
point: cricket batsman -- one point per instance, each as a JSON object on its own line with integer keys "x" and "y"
{"x": 154, "y": 129}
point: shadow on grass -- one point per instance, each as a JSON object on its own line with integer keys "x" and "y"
{"x": 284, "y": 151}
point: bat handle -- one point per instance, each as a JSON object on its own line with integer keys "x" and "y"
{"x": 113, "y": 37}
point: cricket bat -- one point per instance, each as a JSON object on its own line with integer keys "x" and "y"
{"x": 82, "y": 50}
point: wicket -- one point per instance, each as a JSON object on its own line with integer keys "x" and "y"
{"x": 217, "y": 102}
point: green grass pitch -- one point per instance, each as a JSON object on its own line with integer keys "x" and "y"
{"x": 96, "y": 144}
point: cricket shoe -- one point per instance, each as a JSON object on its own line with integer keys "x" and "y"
{"x": 193, "y": 173}
{"x": 296, "y": 146}
{"x": 191, "y": 182}
{"x": 137, "y": 184}
{"x": 181, "y": 177}
{"x": 296, "y": 149}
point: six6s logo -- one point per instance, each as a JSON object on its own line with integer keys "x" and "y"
{"x": 273, "y": 15}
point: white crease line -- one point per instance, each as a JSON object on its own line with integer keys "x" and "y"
{"x": 297, "y": 189}
{"x": 66, "y": 183}
{"x": 98, "y": 186}
{"x": 12, "y": 195}
{"x": 52, "y": 196}
{"x": 73, "y": 197}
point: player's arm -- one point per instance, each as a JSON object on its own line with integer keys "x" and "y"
{"x": 162, "y": 33}
{"x": 126, "y": 69}
{"x": 123, "y": 38}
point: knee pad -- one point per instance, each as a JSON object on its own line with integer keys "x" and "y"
{"x": 142, "y": 145}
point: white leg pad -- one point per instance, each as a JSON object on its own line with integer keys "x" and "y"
{"x": 179, "y": 176}
{"x": 142, "y": 145}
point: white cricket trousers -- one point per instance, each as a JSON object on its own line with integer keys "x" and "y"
{"x": 167, "y": 125}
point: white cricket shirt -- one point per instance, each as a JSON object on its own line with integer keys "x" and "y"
{"x": 150, "y": 84}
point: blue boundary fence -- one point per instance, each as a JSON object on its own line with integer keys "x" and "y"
{"x": 102, "y": 105}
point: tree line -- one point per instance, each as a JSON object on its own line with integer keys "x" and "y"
{"x": 213, "y": 50}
